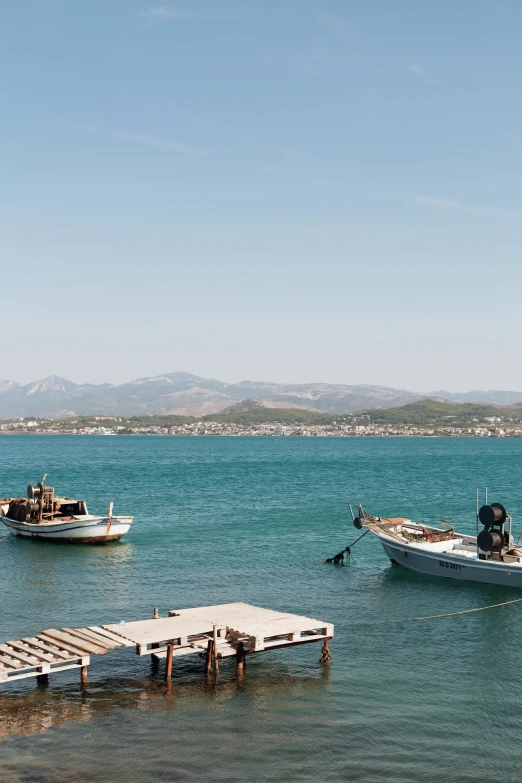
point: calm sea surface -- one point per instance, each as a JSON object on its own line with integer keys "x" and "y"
{"x": 251, "y": 519}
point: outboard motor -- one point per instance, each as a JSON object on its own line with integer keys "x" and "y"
{"x": 492, "y": 539}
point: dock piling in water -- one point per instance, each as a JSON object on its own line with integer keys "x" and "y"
{"x": 214, "y": 648}
{"x": 240, "y": 658}
{"x": 208, "y": 657}
{"x": 170, "y": 658}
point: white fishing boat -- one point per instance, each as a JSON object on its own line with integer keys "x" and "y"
{"x": 490, "y": 557}
{"x": 47, "y": 517}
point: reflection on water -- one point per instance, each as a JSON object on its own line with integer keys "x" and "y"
{"x": 43, "y": 561}
{"x": 142, "y": 730}
{"x": 47, "y": 705}
{"x": 38, "y": 551}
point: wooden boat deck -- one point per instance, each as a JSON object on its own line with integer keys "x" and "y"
{"x": 185, "y": 632}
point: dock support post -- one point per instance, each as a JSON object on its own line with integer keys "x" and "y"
{"x": 155, "y": 613}
{"x": 325, "y": 652}
{"x": 208, "y": 658}
{"x": 170, "y": 657}
{"x": 42, "y": 680}
{"x": 240, "y": 658}
{"x": 214, "y": 650}
{"x": 84, "y": 675}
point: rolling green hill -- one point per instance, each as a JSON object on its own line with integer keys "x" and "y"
{"x": 260, "y": 415}
{"x": 432, "y": 413}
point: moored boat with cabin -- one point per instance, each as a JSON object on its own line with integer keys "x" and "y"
{"x": 45, "y": 516}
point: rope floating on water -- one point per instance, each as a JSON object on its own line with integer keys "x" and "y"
{"x": 432, "y": 616}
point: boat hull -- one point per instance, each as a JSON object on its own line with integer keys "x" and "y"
{"x": 451, "y": 566}
{"x": 91, "y": 530}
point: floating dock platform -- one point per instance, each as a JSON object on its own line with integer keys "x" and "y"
{"x": 212, "y": 632}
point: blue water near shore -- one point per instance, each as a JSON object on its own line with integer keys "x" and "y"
{"x": 251, "y": 519}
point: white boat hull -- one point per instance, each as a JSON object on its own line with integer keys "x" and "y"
{"x": 433, "y": 561}
{"x": 88, "y": 529}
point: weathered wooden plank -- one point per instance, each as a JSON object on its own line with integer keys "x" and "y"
{"x": 69, "y": 643}
{"x": 47, "y": 647}
{"x": 41, "y": 656}
{"x": 10, "y": 663}
{"x": 80, "y": 634}
{"x": 75, "y": 635}
{"x": 99, "y": 639}
{"x": 112, "y": 636}
{"x": 20, "y": 656}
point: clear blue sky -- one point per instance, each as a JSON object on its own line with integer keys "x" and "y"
{"x": 281, "y": 190}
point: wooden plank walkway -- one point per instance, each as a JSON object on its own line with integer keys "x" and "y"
{"x": 222, "y": 631}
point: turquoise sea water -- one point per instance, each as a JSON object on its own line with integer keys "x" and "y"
{"x": 251, "y": 519}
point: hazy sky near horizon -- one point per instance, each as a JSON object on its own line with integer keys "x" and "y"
{"x": 281, "y": 190}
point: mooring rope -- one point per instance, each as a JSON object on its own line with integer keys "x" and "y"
{"x": 431, "y": 616}
{"x": 339, "y": 558}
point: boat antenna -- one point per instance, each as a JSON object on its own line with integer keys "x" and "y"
{"x": 477, "y": 508}
{"x": 485, "y": 496}
{"x": 351, "y": 511}
{"x": 44, "y": 477}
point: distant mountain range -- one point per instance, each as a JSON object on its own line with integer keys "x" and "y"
{"x": 183, "y": 393}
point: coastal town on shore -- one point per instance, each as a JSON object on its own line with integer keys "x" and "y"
{"x": 495, "y": 427}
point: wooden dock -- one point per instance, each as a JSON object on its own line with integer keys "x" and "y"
{"x": 214, "y": 632}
